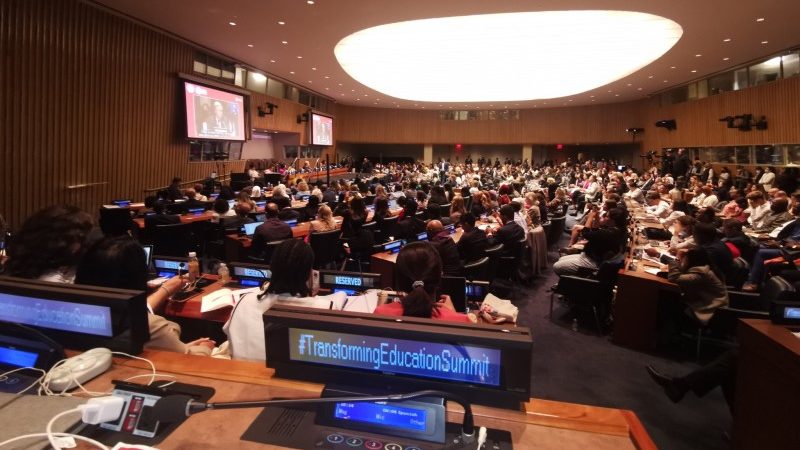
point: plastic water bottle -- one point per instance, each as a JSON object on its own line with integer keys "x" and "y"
{"x": 224, "y": 273}
{"x": 575, "y": 324}
{"x": 194, "y": 266}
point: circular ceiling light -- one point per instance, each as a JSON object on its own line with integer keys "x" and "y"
{"x": 444, "y": 60}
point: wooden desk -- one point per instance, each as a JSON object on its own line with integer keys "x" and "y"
{"x": 636, "y": 302}
{"x": 185, "y": 218}
{"x": 539, "y": 424}
{"x": 767, "y": 387}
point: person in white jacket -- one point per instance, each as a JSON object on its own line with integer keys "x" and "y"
{"x": 767, "y": 179}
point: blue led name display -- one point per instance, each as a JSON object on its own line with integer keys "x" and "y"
{"x": 56, "y": 315}
{"x": 250, "y": 283}
{"x": 347, "y": 281}
{"x": 169, "y": 264}
{"x": 252, "y": 273}
{"x": 454, "y": 362}
{"x": 388, "y": 415}
{"x": 17, "y": 358}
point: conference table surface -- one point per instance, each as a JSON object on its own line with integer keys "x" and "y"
{"x": 538, "y": 424}
{"x": 209, "y": 215}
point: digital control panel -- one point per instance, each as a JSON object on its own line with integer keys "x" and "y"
{"x": 251, "y": 276}
{"x": 168, "y": 268}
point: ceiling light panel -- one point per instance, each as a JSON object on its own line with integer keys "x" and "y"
{"x": 515, "y": 56}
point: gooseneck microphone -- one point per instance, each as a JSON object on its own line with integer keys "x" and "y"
{"x": 174, "y": 408}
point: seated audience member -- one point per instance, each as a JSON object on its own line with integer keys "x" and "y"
{"x": 280, "y": 197}
{"x": 731, "y": 209}
{"x": 408, "y": 227}
{"x": 221, "y": 209}
{"x": 50, "y": 244}
{"x": 473, "y": 240}
{"x": 433, "y": 212}
{"x": 149, "y": 203}
{"x": 733, "y": 235}
{"x": 359, "y": 239}
{"x": 198, "y": 189}
{"x": 328, "y": 195}
{"x": 457, "y": 209}
{"x": 634, "y": 192}
{"x": 720, "y": 256}
{"x": 708, "y": 215}
{"x": 510, "y": 234}
{"x": 358, "y": 209}
{"x": 778, "y": 215}
{"x": 444, "y": 244}
{"x": 226, "y": 193}
{"x": 679, "y": 208}
{"x": 381, "y": 210}
{"x": 310, "y": 211}
{"x": 519, "y": 216}
{"x": 703, "y": 289}
{"x": 324, "y": 220}
{"x": 119, "y": 263}
{"x": 438, "y": 196}
{"x": 290, "y": 285}
{"x": 244, "y": 197}
{"x": 786, "y": 236}
{"x": 191, "y": 200}
{"x": 273, "y": 229}
{"x": 241, "y": 216}
{"x": 656, "y": 206}
{"x": 418, "y": 273}
{"x": 603, "y": 244}
{"x": 757, "y": 209}
{"x": 174, "y": 189}
{"x": 302, "y": 190}
{"x": 682, "y": 234}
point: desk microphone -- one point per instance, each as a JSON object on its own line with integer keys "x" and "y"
{"x": 174, "y": 408}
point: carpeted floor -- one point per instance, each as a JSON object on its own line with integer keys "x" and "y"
{"x": 582, "y": 367}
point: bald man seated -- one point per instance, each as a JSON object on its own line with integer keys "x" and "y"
{"x": 444, "y": 244}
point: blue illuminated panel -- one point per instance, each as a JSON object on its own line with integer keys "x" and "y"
{"x": 122, "y": 203}
{"x": 231, "y": 203}
{"x": 17, "y": 358}
{"x": 393, "y": 247}
{"x": 346, "y": 291}
{"x": 250, "y": 228}
{"x": 249, "y": 283}
{"x": 292, "y": 223}
{"x": 422, "y": 236}
{"x": 455, "y": 362}
{"x": 384, "y": 414}
{"x": 197, "y": 211}
{"x": 791, "y": 313}
{"x": 56, "y": 315}
{"x": 170, "y": 264}
{"x": 261, "y": 204}
{"x": 252, "y": 273}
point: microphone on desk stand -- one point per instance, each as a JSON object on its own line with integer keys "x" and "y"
{"x": 174, "y": 408}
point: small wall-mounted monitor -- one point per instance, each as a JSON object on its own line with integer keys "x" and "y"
{"x": 321, "y": 129}
{"x": 213, "y": 114}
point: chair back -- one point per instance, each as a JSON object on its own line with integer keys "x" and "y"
{"x": 326, "y": 247}
{"x": 776, "y": 289}
{"x": 444, "y": 210}
{"x": 174, "y": 239}
{"x": 116, "y": 221}
{"x": 556, "y": 229}
{"x": 372, "y": 226}
{"x": 477, "y": 270}
{"x": 269, "y": 249}
{"x": 386, "y": 228}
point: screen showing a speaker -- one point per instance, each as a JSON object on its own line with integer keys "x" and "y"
{"x": 213, "y": 114}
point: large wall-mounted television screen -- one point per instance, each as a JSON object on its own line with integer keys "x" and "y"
{"x": 213, "y": 114}
{"x": 321, "y": 129}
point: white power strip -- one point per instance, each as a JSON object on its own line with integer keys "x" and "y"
{"x": 78, "y": 369}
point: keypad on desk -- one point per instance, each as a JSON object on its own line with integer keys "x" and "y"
{"x": 347, "y": 441}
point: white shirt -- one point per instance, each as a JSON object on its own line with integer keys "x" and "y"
{"x": 659, "y": 210}
{"x": 757, "y": 214}
{"x": 520, "y": 219}
{"x": 710, "y": 200}
{"x": 766, "y": 180}
{"x": 245, "y": 327}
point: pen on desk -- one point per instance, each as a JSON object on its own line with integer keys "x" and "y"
{"x": 331, "y": 305}
{"x": 345, "y": 302}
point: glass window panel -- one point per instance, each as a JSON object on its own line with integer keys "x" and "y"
{"x": 199, "y": 66}
{"x": 766, "y": 71}
{"x": 702, "y": 89}
{"x": 257, "y": 82}
{"x": 718, "y": 155}
{"x": 720, "y": 83}
{"x": 292, "y": 93}
{"x": 742, "y": 155}
{"x": 740, "y": 79}
{"x": 769, "y": 155}
{"x": 305, "y": 98}
{"x": 241, "y": 76}
{"x": 791, "y": 65}
{"x": 793, "y": 154}
{"x": 275, "y": 88}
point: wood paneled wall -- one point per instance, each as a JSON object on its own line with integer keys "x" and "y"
{"x": 578, "y": 125}
{"x": 87, "y": 97}
{"x": 699, "y": 125}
